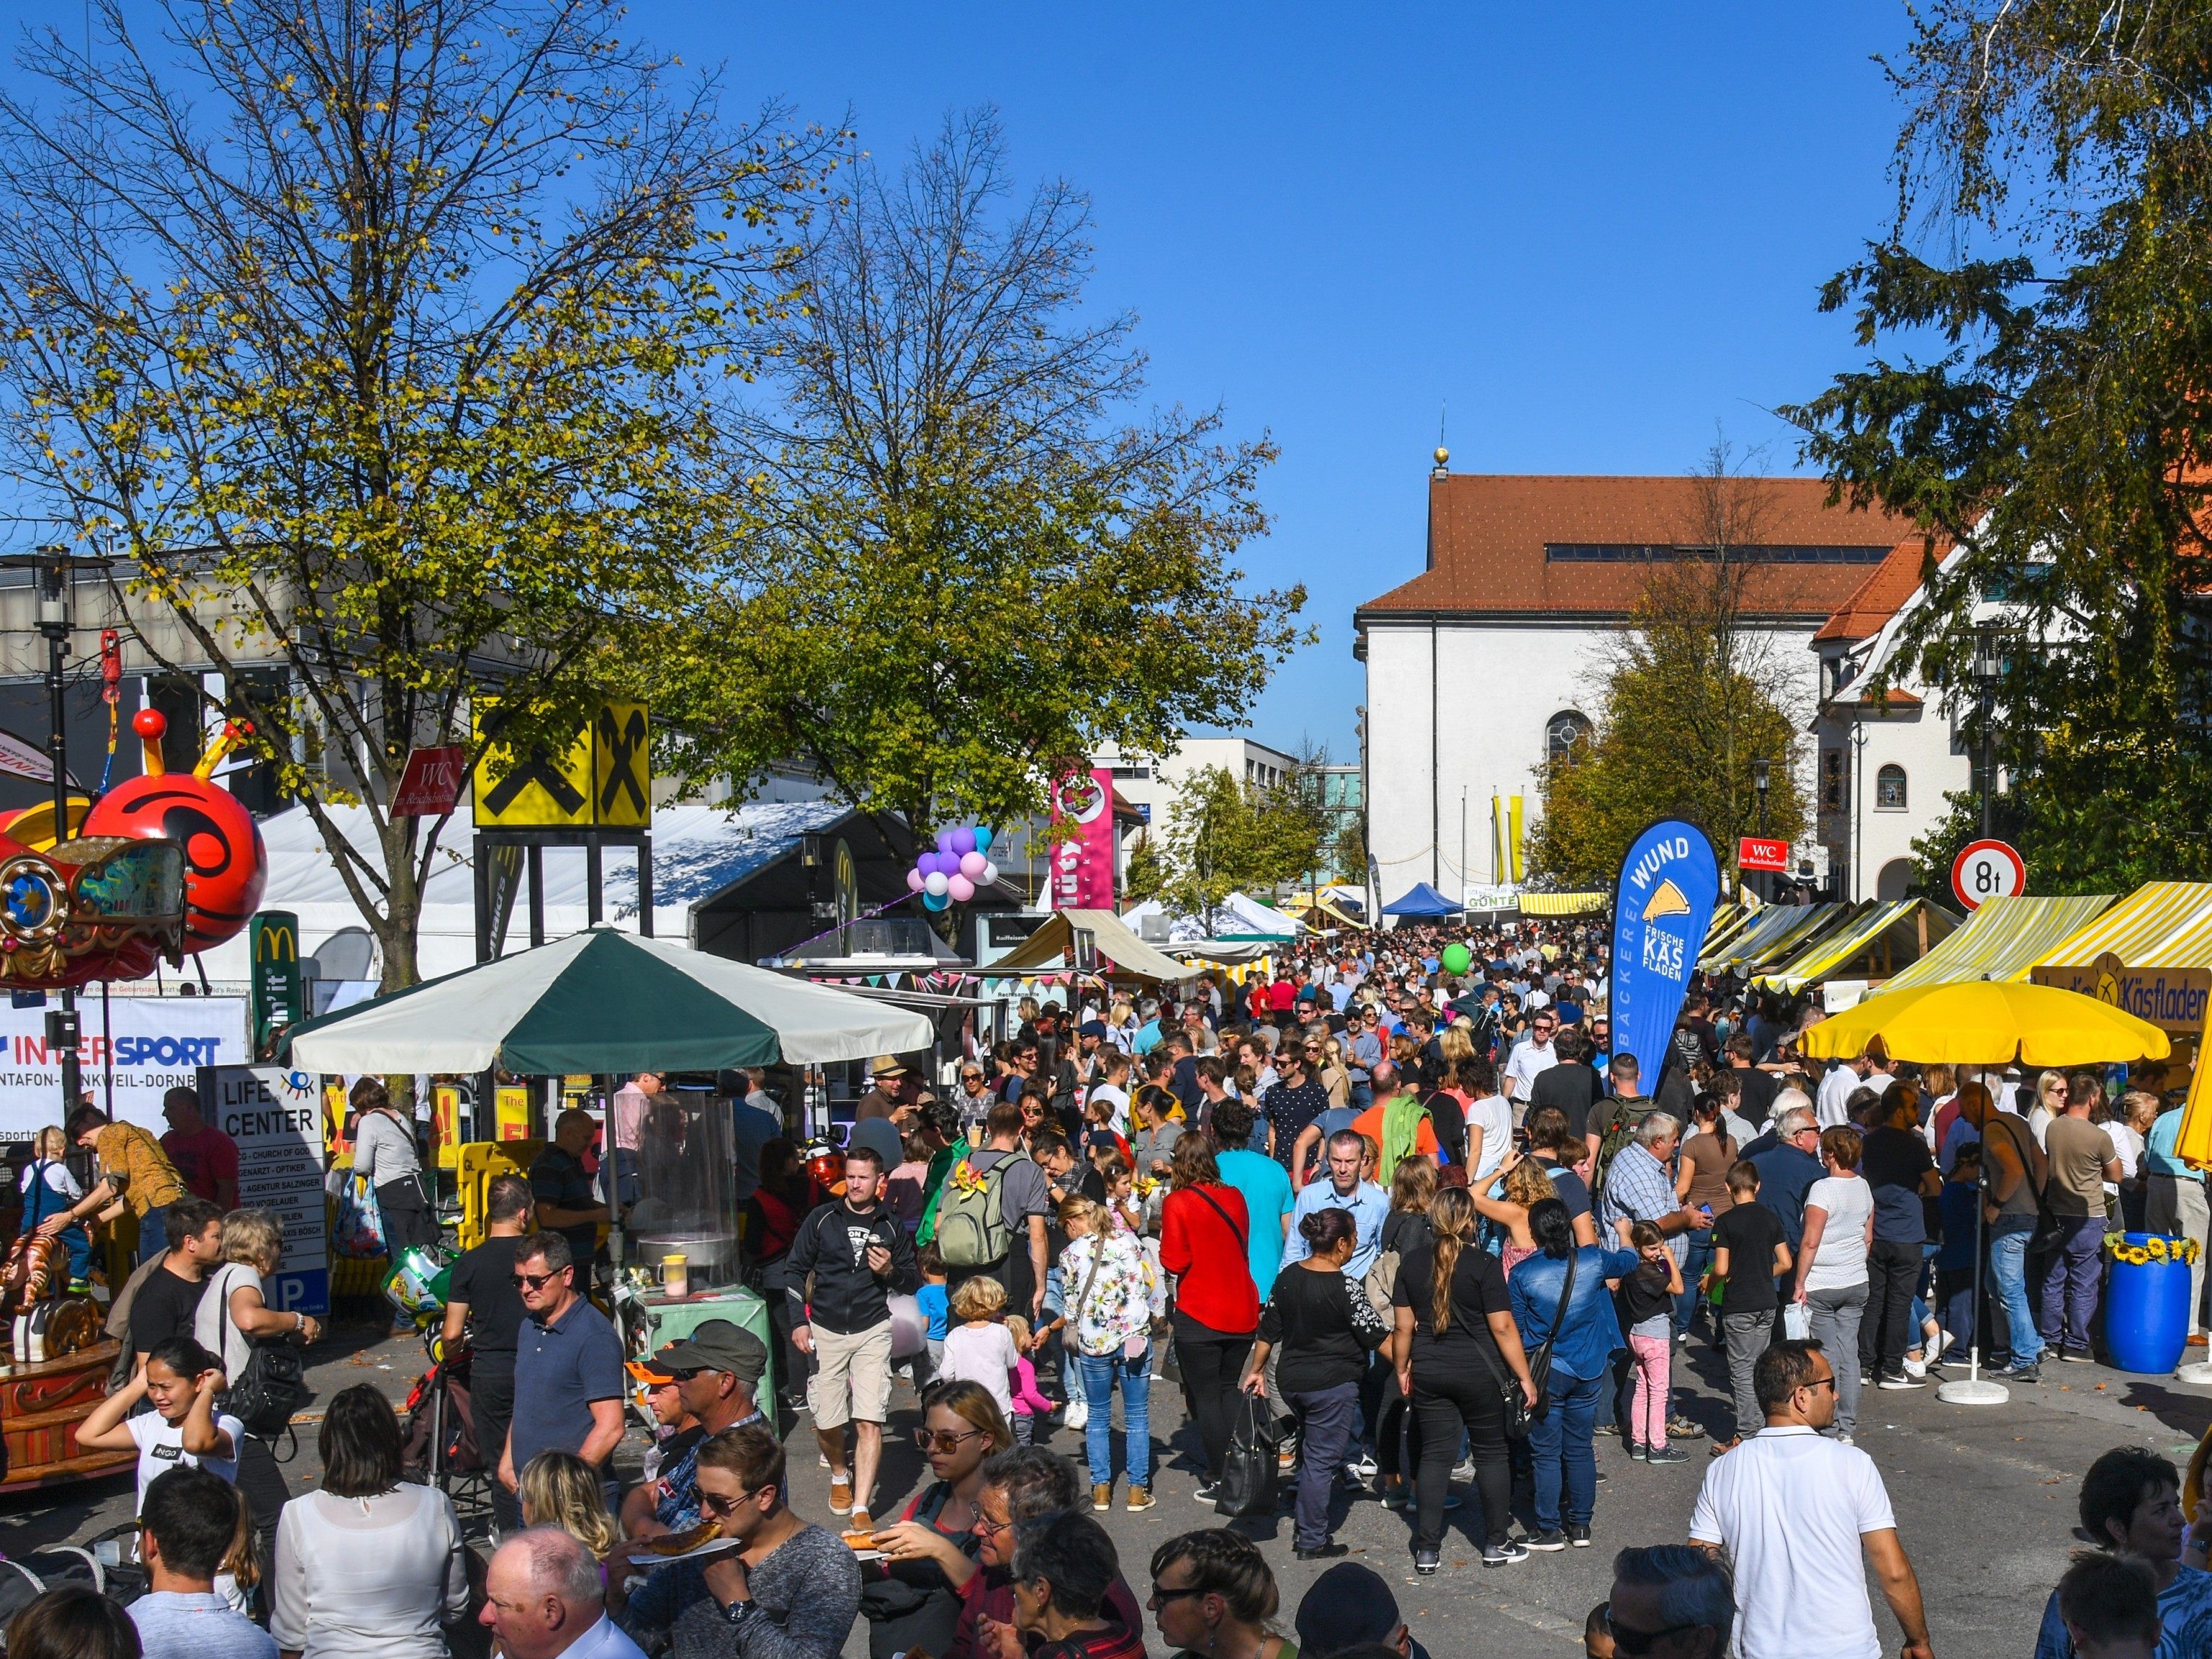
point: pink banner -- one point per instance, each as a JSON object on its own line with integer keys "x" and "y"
{"x": 1083, "y": 865}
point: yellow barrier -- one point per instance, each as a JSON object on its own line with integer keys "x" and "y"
{"x": 475, "y": 1164}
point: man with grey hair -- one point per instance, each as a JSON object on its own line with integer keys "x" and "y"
{"x": 1788, "y": 1159}
{"x": 1639, "y": 1186}
{"x": 1671, "y": 1602}
{"x": 543, "y": 1600}
{"x": 1343, "y": 1190}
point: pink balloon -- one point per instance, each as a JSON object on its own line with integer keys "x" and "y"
{"x": 914, "y": 880}
{"x": 961, "y": 889}
{"x": 972, "y": 866}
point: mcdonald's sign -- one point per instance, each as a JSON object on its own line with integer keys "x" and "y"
{"x": 275, "y": 994}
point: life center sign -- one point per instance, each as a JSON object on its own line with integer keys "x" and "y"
{"x": 275, "y": 1116}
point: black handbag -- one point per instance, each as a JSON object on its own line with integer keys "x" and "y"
{"x": 1249, "y": 1470}
{"x": 270, "y": 1389}
{"x": 1521, "y": 1416}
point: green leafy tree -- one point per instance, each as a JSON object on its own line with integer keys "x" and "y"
{"x": 961, "y": 567}
{"x": 377, "y": 341}
{"x": 1694, "y": 698}
{"x": 2042, "y": 410}
{"x": 1227, "y": 835}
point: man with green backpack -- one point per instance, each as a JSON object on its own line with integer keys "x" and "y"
{"x": 991, "y": 1212}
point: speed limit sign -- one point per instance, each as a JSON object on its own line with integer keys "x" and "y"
{"x": 1985, "y": 869}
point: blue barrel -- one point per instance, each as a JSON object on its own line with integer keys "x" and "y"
{"x": 2147, "y": 1311}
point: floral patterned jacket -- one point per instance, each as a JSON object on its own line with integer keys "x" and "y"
{"x": 1120, "y": 1304}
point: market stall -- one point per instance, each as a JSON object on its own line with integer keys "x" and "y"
{"x": 1779, "y": 932}
{"x": 2001, "y": 940}
{"x": 2150, "y": 954}
{"x": 609, "y": 1004}
{"x": 1870, "y": 948}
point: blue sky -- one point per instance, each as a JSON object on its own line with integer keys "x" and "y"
{"x": 1594, "y": 231}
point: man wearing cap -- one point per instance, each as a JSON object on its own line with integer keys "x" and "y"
{"x": 716, "y": 1371}
{"x": 1351, "y": 1606}
{"x": 892, "y": 1094}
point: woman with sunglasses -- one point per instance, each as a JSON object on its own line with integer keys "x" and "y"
{"x": 930, "y": 1552}
{"x": 1212, "y": 1595}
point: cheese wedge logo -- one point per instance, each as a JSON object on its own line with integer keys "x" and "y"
{"x": 1668, "y": 901}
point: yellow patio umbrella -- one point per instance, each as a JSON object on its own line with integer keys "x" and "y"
{"x": 1985, "y": 1022}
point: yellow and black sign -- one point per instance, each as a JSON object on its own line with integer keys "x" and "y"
{"x": 602, "y": 777}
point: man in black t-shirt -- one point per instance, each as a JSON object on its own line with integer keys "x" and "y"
{"x": 169, "y": 1299}
{"x": 1750, "y": 1254}
{"x": 483, "y": 1300}
{"x": 1571, "y": 1084}
{"x": 1756, "y": 1103}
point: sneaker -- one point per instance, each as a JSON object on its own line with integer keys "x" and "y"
{"x": 822, "y": 1458}
{"x": 1720, "y": 1447}
{"x": 861, "y": 1520}
{"x": 1847, "y": 1440}
{"x": 1426, "y": 1563}
{"x": 1463, "y": 1472}
{"x": 1140, "y": 1499}
{"x": 2031, "y": 1372}
{"x": 1208, "y": 1493}
{"x": 841, "y": 1493}
{"x": 2076, "y": 1355}
{"x": 1102, "y": 1498}
{"x": 1394, "y": 1493}
{"x": 1914, "y": 1367}
{"x": 1504, "y": 1554}
{"x": 1941, "y": 1346}
{"x": 1328, "y": 1551}
{"x": 1903, "y": 1381}
{"x": 1578, "y": 1534}
{"x": 1636, "y": 1451}
{"x": 1364, "y": 1466}
{"x": 1452, "y": 1501}
{"x": 1665, "y": 1454}
{"x": 1548, "y": 1539}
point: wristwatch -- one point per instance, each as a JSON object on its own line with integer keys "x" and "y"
{"x": 740, "y": 1610}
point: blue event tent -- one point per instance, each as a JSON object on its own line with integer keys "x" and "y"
{"x": 1423, "y": 900}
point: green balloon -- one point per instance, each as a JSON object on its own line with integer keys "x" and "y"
{"x": 1456, "y": 959}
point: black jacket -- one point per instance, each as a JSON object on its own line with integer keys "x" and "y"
{"x": 832, "y": 1246}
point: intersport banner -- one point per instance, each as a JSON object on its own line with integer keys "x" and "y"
{"x": 156, "y": 1043}
{"x": 1661, "y": 906}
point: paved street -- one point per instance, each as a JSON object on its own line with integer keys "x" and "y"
{"x": 1985, "y": 1498}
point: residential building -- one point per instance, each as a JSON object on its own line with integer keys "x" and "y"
{"x": 1490, "y": 662}
{"x": 1150, "y": 786}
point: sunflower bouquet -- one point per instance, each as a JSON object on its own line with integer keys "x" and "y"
{"x": 2154, "y": 1248}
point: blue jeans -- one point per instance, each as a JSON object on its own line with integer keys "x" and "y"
{"x": 1329, "y": 1425}
{"x": 1700, "y": 1258}
{"x": 1559, "y": 1446}
{"x": 1099, "y": 1372}
{"x": 2070, "y": 1286}
{"x": 2008, "y": 1263}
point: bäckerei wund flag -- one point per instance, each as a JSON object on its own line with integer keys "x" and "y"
{"x": 1661, "y": 906}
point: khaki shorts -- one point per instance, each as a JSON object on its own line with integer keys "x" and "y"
{"x": 851, "y": 1376}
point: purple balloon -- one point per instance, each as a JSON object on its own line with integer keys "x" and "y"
{"x": 913, "y": 881}
{"x": 944, "y": 840}
{"x": 942, "y": 864}
{"x": 964, "y": 840}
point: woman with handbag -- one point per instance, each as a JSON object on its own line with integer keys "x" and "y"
{"x": 1397, "y": 1431}
{"x": 1110, "y": 1325}
{"x": 1458, "y": 1356}
{"x": 384, "y": 1156}
{"x": 929, "y": 1552}
{"x": 1325, "y": 1327}
{"x": 1204, "y": 1241}
{"x": 234, "y": 1317}
{"x": 1567, "y": 1318}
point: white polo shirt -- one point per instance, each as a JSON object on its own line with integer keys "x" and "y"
{"x": 1789, "y": 1507}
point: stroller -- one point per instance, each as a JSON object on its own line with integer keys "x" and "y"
{"x": 442, "y": 1447}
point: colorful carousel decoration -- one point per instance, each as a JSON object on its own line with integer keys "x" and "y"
{"x": 158, "y": 868}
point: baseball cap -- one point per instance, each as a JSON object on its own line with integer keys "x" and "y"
{"x": 1348, "y": 1605}
{"x": 1091, "y": 1027}
{"x": 716, "y": 1344}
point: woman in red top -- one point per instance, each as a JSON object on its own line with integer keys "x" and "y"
{"x": 1203, "y": 1229}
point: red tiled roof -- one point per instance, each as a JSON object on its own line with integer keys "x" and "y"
{"x": 1488, "y": 533}
{"x": 1882, "y": 595}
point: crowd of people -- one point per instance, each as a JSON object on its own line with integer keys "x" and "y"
{"x": 1430, "y": 1227}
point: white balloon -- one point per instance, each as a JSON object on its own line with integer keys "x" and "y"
{"x": 990, "y": 871}
{"x": 935, "y": 883}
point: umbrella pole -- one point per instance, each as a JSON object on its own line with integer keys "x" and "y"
{"x": 1973, "y": 1388}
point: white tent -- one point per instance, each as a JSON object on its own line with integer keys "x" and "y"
{"x": 1240, "y": 916}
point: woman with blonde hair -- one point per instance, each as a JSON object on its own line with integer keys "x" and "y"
{"x": 1335, "y": 1076}
{"x": 1107, "y": 1284}
{"x": 1522, "y": 1184}
{"x": 1455, "y": 1347}
{"x": 559, "y": 1489}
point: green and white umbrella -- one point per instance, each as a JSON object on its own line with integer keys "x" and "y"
{"x": 605, "y": 1001}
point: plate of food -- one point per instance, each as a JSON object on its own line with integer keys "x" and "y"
{"x": 863, "y": 1545}
{"x": 691, "y": 1545}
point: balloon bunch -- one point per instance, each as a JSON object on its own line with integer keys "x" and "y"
{"x": 952, "y": 874}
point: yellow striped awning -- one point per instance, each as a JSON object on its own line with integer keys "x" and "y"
{"x": 1780, "y": 930}
{"x": 2163, "y": 924}
{"x": 1729, "y": 922}
{"x": 1872, "y": 943}
{"x": 1565, "y": 904}
{"x": 2002, "y": 940}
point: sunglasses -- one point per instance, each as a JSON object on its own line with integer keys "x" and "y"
{"x": 715, "y": 1503}
{"x": 939, "y": 1440}
{"x": 536, "y": 1281}
{"x": 1633, "y": 1643}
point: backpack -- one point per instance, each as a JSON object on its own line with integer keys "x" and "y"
{"x": 971, "y": 1218}
{"x": 270, "y": 1389}
{"x": 1381, "y": 1284}
{"x": 1623, "y": 1130}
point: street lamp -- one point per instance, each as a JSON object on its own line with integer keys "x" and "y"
{"x": 1760, "y": 774}
{"x": 53, "y": 569}
{"x": 1988, "y": 668}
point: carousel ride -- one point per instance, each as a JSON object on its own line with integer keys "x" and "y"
{"x": 160, "y": 867}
